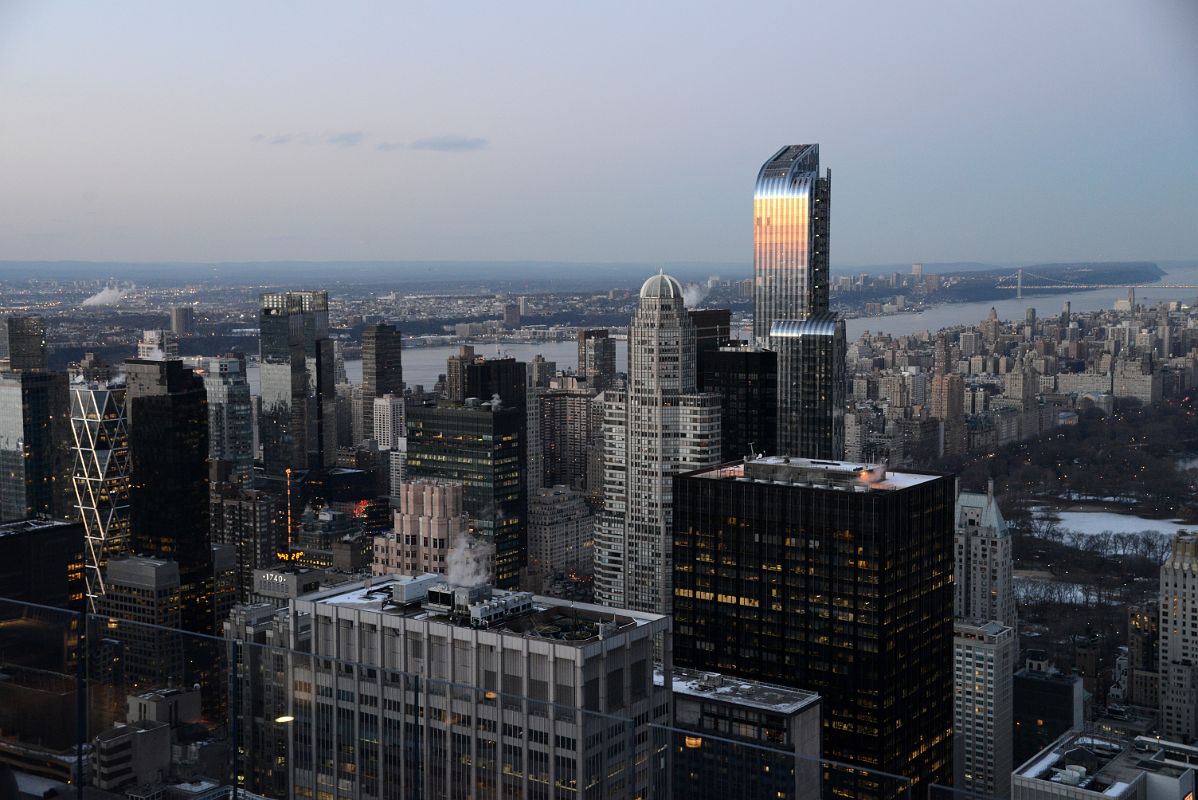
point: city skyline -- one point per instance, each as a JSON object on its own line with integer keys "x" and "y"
{"x": 291, "y": 150}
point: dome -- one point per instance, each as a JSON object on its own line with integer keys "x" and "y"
{"x": 661, "y": 285}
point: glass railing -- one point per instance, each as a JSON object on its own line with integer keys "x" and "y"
{"x": 143, "y": 711}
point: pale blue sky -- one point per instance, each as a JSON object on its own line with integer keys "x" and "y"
{"x": 594, "y": 131}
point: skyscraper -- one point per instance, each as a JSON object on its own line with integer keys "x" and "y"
{"x": 811, "y": 386}
{"x": 167, "y": 415}
{"x": 481, "y": 446}
{"x": 791, "y": 208}
{"x": 982, "y": 577}
{"x": 34, "y": 454}
{"x": 387, "y": 416}
{"x": 183, "y": 320}
{"x": 23, "y": 343}
{"x": 596, "y": 357}
{"x": 746, "y": 379}
{"x": 382, "y": 369}
{"x": 100, "y": 477}
{"x": 296, "y": 373}
{"x": 430, "y": 519}
{"x": 791, "y": 205}
{"x": 230, "y": 415}
{"x": 832, "y": 577}
{"x": 656, "y": 428}
{"x": 1178, "y": 640}
{"x": 984, "y": 654}
{"x": 505, "y": 377}
{"x": 986, "y": 645}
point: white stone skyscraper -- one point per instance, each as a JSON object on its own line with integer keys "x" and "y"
{"x": 1179, "y": 640}
{"x": 655, "y": 428}
{"x": 982, "y": 579}
{"x": 985, "y": 644}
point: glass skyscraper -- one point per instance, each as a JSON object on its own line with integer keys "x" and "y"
{"x": 790, "y": 238}
{"x": 298, "y": 425}
{"x": 790, "y": 301}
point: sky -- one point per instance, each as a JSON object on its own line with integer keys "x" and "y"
{"x": 617, "y": 131}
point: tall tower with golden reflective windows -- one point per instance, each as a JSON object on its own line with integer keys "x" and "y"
{"x": 790, "y": 239}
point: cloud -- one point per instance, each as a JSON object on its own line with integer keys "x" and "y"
{"x": 450, "y": 143}
{"x": 345, "y": 138}
{"x": 387, "y": 147}
{"x": 337, "y": 139}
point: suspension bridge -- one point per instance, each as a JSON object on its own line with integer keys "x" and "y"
{"x": 1015, "y": 281}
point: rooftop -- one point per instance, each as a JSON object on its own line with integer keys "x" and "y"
{"x": 1106, "y": 764}
{"x": 27, "y": 525}
{"x": 736, "y": 691}
{"x": 841, "y": 475}
{"x": 430, "y": 597}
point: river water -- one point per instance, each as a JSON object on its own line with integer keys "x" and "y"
{"x": 422, "y": 365}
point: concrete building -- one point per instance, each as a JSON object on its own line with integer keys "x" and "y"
{"x": 183, "y": 320}
{"x": 430, "y": 519}
{"x": 142, "y": 598}
{"x": 1179, "y": 640}
{"x": 740, "y": 738}
{"x": 658, "y": 427}
{"x": 254, "y": 524}
{"x": 132, "y": 754}
{"x": 456, "y": 686}
{"x": 561, "y": 531}
{"x": 984, "y": 656}
{"x": 1085, "y": 766}
{"x": 982, "y": 582}
{"x": 388, "y": 422}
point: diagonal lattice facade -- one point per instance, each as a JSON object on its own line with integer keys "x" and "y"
{"x": 100, "y": 477}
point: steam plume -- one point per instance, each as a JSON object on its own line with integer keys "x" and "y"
{"x": 694, "y": 293}
{"x": 469, "y": 561}
{"x": 109, "y": 296}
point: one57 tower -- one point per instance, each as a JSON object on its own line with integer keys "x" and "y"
{"x": 790, "y": 239}
{"x": 791, "y": 206}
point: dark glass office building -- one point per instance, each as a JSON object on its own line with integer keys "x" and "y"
{"x": 505, "y": 377}
{"x": 298, "y": 427}
{"x": 35, "y": 453}
{"x": 811, "y": 386}
{"x": 596, "y": 358}
{"x": 746, "y": 379}
{"x": 382, "y": 369}
{"x": 830, "y": 577}
{"x": 483, "y": 448}
{"x": 23, "y": 343}
{"x": 167, "y": 409}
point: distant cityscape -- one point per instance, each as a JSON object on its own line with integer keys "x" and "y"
{"x": 735, "y": 535}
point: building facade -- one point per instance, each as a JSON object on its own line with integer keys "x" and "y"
{"x": 984, "y": 655}
{"x": 561, "y": 530}
{"x": 100, "y": 477}
{"x": 23, "y": 343}
{"x": 835, "y": 578}
{"x": 382, "y": 369}
{"x": 596, "y": 358}
{"x": 296, "y": 375}
{"x": 429, "y": 520}
{"x": 1178, "y": 640}
{"x": 791, "y": 206}
{"x": 746, "y": 379}
{"x": 811, "y": 386}
{"x": 482, "y": 447}
{"x": 658, "y": 427}
{"x": 230, "y": 415}
{"x": 34, "y": 445}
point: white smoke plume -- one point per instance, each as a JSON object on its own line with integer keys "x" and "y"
{"x": 469, "y": 561}
{"x": 694, "y": 293}
{"x": 109, "y": 296}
